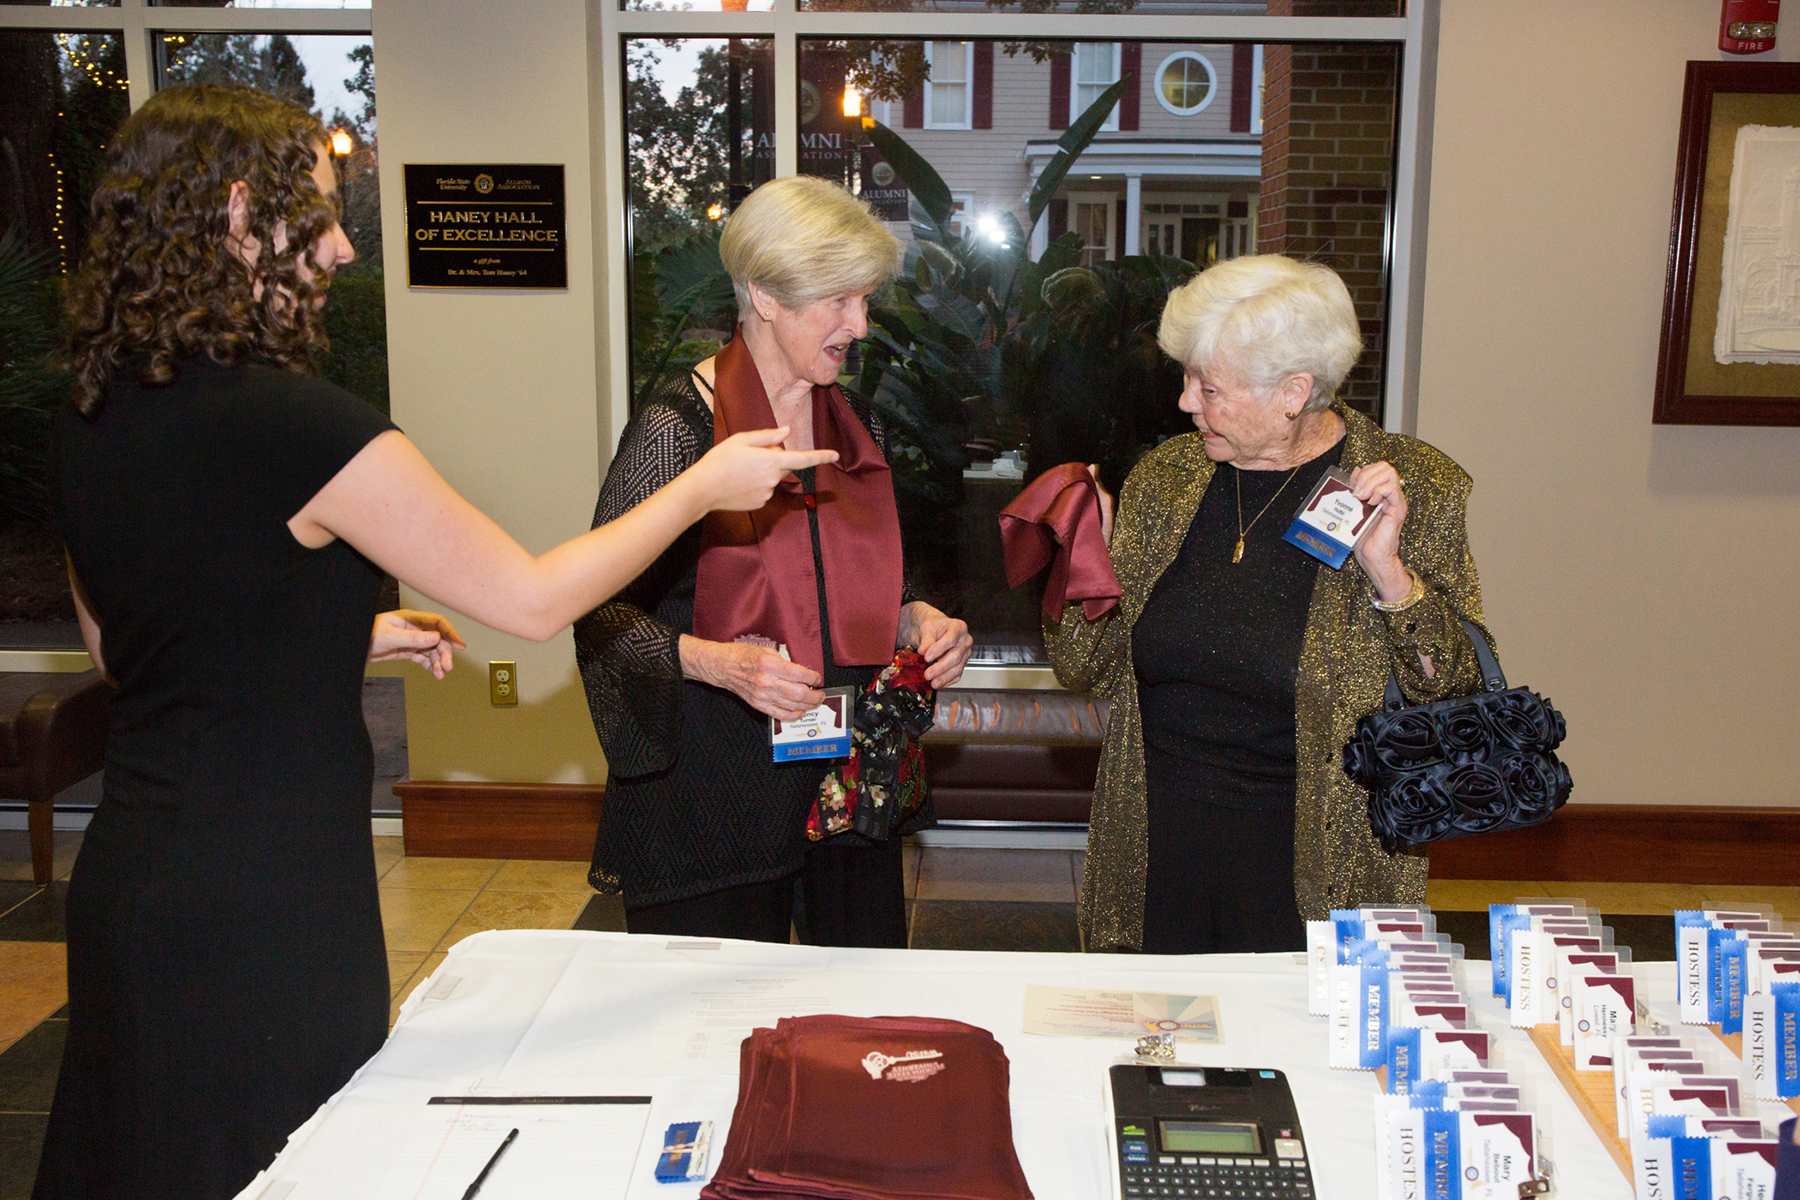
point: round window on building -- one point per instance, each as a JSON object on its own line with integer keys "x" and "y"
{"x": 1185, "y": 83}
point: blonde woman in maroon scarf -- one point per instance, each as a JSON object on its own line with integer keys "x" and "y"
{"x": 702, "y": 833}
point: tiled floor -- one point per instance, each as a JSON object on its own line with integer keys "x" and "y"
{"x": 957, "y": 899}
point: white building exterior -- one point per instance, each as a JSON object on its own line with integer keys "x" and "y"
{"x": 1179, "y": 177}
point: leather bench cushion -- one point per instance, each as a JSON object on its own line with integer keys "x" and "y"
{"x": 1040, "y": 717}
{"x": 1014, "y": 755}
{"x": 16, "y": 688}
{"x": 77, "y": 728}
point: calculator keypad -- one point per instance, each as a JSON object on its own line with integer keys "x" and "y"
{"x": 1216, "y": 1178}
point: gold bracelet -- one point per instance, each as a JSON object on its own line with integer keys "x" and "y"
{"x": 1411, "y": 598}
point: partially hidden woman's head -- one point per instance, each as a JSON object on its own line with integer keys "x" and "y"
{"x": 214, "y": 231}
{"x": 1264, "y": 320}
{"x": 811, "y": 248}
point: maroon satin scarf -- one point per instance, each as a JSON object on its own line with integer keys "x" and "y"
{"x": 1057, "y": 521}
{"x": 756, "y": 568}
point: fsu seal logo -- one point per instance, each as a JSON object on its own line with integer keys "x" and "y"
{"x": 914, "y": 1066}
{"x": 484, "y": 184}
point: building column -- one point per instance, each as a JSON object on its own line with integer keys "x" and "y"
{"x": 1134, "y": 211}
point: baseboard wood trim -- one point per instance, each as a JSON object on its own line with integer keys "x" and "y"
{"x": 551, "y": 822}
{"x": 1625, "y": 843}
{"x": 1636, "y": 843}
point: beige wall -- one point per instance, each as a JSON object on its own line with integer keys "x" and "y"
{"x": 497, "y": 388}
{"x": 1645, "y": 577}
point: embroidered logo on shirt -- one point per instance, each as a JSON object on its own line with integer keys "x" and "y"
{"x": 911, "y": 1067}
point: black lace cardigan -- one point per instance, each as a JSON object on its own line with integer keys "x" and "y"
{"x": 693, "y": 802}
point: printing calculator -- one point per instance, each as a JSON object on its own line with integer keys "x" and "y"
{"x": 1206, "y": 1133}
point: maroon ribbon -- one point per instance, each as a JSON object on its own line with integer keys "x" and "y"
{"x": 1056, "y": 520}
{"x": 756, "y": 569}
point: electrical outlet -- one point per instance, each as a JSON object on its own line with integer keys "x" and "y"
{"x": 503, "y": 682}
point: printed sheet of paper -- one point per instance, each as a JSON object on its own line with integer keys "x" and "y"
{"x": 568, "y": 1148}
{"x": 1759, "y": 312}
{"x": 708, "y": 1024}
{"x": 1088, "y": 1012}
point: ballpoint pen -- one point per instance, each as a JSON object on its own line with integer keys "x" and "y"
{"x": 481, "y": 1178}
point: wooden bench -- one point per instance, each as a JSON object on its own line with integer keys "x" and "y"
{"x": 52, "y": 734}
{"x": 1014, "y": 757}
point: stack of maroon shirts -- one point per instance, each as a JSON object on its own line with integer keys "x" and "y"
{"x": 870, "y": 1108}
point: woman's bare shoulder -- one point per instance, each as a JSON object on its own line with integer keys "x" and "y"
{"x": 705, "y": 369}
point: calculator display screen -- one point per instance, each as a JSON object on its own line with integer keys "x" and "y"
{"x": 1209, "y": 1137}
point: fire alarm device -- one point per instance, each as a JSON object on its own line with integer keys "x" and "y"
{"x": 1748, "y": 26}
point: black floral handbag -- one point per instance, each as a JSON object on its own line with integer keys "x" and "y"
{"x": 1450, "y": 768}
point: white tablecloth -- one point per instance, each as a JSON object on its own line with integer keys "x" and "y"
{"x": 555, "y": 1013}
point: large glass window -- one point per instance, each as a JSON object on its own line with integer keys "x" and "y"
{"x": 699, "y": 121}
{"x": 332, "y": 75}
{"x": 64, "y": 96}
{"x": 1020, "y": 331}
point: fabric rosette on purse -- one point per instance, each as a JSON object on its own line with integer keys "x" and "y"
{"x": 882, "y": 783}
{"x": 1472, "y": 764}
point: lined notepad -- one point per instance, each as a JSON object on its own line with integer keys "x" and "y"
{"x": 568, "y": 1147}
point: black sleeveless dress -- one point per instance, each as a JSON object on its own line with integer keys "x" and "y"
{"x": 227, "y": 972}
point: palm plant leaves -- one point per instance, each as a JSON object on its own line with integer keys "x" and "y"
{"x": 32, "y": 385}
{"x": 1070, "y": 145}
{"x": 922, "y": 179}
{"x": 688, "y": 279}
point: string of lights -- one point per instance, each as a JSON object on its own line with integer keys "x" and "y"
{"x": 173, "y": 44}
{"x": 62, "y": 232}
{"x": 75, "y": 46}
{"x": 81, "y": 54}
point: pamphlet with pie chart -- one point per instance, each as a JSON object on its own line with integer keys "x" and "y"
{"x": 1092, "y": 1012}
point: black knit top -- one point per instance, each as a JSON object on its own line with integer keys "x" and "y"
{"x": 1218, "y": 643}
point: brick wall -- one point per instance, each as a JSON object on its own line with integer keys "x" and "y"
{"x": 1327, "y": 176}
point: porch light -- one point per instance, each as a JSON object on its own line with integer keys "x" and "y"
{"x": 341, "y": 145}
{"x": 852, "y": 102}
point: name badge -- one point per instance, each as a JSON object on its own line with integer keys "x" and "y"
{"x": 824, "y": 732}
{"x": 1332, "y": 520}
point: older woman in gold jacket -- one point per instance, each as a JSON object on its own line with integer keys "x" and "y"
{"x": 1236, "y": 666}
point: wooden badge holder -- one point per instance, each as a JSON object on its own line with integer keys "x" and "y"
{"x": 1591, "y": 1091}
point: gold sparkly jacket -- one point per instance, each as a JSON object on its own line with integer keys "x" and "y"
{"x": 1348, "y": 650}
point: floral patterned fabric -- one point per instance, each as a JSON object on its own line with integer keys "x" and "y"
{"x": 883, "y": 780}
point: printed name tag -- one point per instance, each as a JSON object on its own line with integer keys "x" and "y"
{"x": 823, "y": 732}
{"x": 1332, "y": 520}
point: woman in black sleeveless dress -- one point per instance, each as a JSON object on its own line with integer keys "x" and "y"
{"x": 227, "y": 520}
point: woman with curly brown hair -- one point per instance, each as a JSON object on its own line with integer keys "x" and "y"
{"x": 227, "y": 518}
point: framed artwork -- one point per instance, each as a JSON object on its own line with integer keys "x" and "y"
{"x": 1730, "y": 352}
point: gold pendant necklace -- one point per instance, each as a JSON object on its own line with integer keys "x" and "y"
{"x": 1237, "y": 476}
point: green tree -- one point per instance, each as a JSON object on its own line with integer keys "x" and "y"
{"x": 362, "y": 83}
{"x": 359, "y": 182}
{"x": 680, "y": 150}
{"x": 267, "y": 63}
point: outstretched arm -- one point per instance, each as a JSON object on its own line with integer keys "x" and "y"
{"x": 395, "y": 509}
